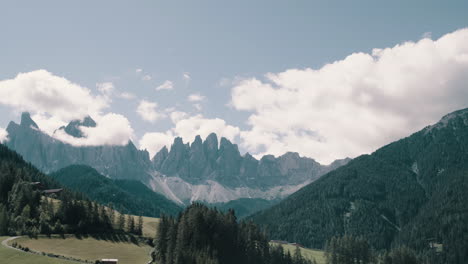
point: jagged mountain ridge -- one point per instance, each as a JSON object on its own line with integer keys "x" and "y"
{"x": 207, "y": 170}
{"x": 203, "y": 160}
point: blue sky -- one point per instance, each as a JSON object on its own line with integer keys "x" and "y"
{"x": 216, "y": 45}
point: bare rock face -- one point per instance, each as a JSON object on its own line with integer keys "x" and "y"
{"x": 202, "y": 161}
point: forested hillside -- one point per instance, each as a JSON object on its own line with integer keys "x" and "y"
{"x": 206, "y": 236}
{"x": 25, "y": 210}
{"x": 126, "y": 196}
{"x": 410, "y": 192}
{"x": 245, "y": 206}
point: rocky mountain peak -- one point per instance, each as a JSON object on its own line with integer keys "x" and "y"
{"x": 457, "y": 118}
{"x": 26, "y": 121}
{"x": 159, "y": 158}
{"x": 73, "y": 128}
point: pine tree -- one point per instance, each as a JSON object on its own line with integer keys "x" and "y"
{"x": 130, "y": 224}
{"x": 111, "y": 214}
{"x": 121, "y": 222}
{"x": 3, "y": 220}
{"x": 140, "y": 226}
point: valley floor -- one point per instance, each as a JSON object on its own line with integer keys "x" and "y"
{"x": 13, "y": 256}
{"x": 86, "y": 248}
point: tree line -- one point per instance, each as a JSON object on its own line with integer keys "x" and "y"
{"x": 200, "y": 235}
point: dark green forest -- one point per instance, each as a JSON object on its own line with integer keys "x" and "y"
{"x": 412, "y": 193}
{"x": 125, "y": 196}
{"x": 24, "y": 210}
{"x": 200, "y": 235}
{"x": 245, "y": 206}
{"x": 351, "y": 250}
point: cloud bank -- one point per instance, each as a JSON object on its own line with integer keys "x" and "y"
{"x": 41, "y": 91}
{"x": 54, "y": 101}
{"x": 357, "y": 104}
{"x": 167, "y": 85}
{"x": 3, "y": 135}
{"x": 147, "y": 111}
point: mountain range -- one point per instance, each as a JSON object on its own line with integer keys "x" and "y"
{"x": 211, "y": 171}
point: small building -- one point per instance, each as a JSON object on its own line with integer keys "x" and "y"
{"x": 296, "y": 245}
{"x": 51, "y": 191}
{"x": 109, "y": 261}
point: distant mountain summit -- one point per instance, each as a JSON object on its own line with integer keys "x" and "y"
{"x": 73, "y": 128}
{"x": 212, "y": 171}
{"x": 201, "y": 161}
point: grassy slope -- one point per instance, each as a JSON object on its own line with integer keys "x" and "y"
{"x": 307, "y": 253}
{"x": 10, "y": 256}
{"x": 149, "y": 223}
{"x": 149, "y": 226}
{"x": 89, "y": 249}
{"x": 127, "y": 196}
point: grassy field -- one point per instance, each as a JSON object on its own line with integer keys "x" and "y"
{"x": 10, "y": 256}
{"x": 89, "y": 249}
{"x": 150, "y": 226}
{"x": 318, "y": 255}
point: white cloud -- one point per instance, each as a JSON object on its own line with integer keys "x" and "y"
{"x": 427, "y": 35}
{"x": 176, "y": 116}
{"x": 167, "y": 85}
{"x": 187, "y": 128}
{"x": 154, "y": 142}
{"x": 357, "y": 104}
{"x": 54, "y": 101}
{"x": 106, "y": 88}
{"x": 147, "y": 111}
{"x": 40, "y": 91}
{"x": 186, "y": 76}
{"x": 111, "y": 129}
{"x": 196, "y": 97}
{"x": 146, "y": 77}
{"x": 3, "y": 135}
{"x": 127, "y": 96}
{"x": 138, "y": 70}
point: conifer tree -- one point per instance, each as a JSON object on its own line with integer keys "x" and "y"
{"x": 140, "y": 226}
{"x": 130, "y": 224}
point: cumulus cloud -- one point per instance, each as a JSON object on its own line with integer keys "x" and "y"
{"x": 154, "y": 142}
{"x": 176, "y": 116}
{"x": 196, "y": 97}
{"x": 148, "y": 111}
{"x": 167, "y": 85}
{"x": 138, "y": 70}
{"x": 42, "y": 92}
{"x": 146, "y": 77}
{"x": 3, "y": 135}
{"x": 357, "y": 104}
{"x": 106, "y": 88}
{"x": 187, "y": 127}
{"x": 127, "y": 96}
{"x": 54, "y": 101}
